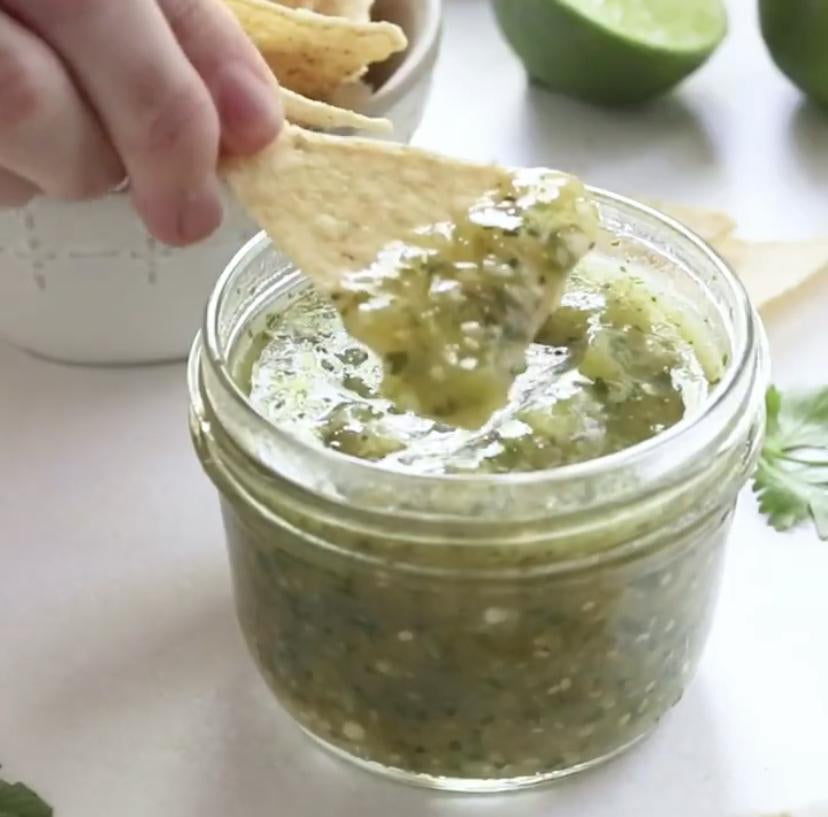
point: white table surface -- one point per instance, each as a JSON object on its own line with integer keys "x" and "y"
{"x": 124, "y": 686}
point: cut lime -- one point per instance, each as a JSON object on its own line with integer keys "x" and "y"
{"x": 796, "y": 32}
{"x": 612, "y": 51}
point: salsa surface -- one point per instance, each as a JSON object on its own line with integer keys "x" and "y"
{"x": 613, "y": 366}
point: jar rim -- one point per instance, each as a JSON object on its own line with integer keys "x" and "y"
{"x": 746, "y": 326}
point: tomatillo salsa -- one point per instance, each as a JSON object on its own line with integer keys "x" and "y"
{"x": 492, "y": 603}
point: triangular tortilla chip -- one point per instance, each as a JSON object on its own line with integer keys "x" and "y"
{"x": 311, "y": 53}
{"x": 332, "y": 204}
{"x": 711, "y": 225}
{"x": 772, "y": 269}
{"x": 312, "y": 114}
{"x": 769, "y": 270}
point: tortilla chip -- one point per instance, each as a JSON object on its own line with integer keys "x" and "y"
{"x": 769, "y": 270}
{"x": 311, "y": 53}
{"x": 772, "y": 269}
{"x": 312, "y": 114}
{"x": 711, "y": 225}
{"x": 331, "y": 204}
{"x": 355, "y": 96}
{"x": 352, "y": 9}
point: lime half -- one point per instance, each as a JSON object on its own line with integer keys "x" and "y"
{"x": 612, "y": 52}
{"x": 796, "y": 32}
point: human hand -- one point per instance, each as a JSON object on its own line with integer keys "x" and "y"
{"x": 95, "y": 91}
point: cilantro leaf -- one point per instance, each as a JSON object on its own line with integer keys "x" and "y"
{"x": 791, "y": 482}
{"x": 17, "y": 800}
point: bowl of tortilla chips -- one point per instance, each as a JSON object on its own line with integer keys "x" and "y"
{"x": 85, "y": 283}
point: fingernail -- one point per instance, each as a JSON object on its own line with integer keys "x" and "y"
{"x": 249, "y": 108}
{"x": 200, "y": 214}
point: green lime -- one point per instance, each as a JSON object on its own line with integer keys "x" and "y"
{"x": 796, "y": 32}
{"x": 612, "y": 51}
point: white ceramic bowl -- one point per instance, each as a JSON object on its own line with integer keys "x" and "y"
{"x": 84, "y": 283}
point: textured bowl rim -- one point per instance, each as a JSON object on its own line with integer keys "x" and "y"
{"x": 421, "y": 54}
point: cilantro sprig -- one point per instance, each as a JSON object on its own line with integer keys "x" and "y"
{"x": 791, "y": 482}
{"x": 17, "y": 800}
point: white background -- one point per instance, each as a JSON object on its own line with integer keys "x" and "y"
{"x": 124, "y": 686}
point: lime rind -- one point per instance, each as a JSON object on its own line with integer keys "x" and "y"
{"x": 797, "y": 38}
{"x": 591, "y": 50}
{"x": 688, "y": 26}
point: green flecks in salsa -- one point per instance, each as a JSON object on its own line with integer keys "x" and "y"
{"x": 452, "y": 311}
{"x": 487, "y": 678}
{"x": 612, "y": 367}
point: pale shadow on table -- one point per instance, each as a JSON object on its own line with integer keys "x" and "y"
{"x": 267, "y": 767}
{"x": 607, "y": 146}
{"x": 809, "y": 138}
{"x": 183, "y": 647}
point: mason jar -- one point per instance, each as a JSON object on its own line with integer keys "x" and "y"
{"x": 482, "y": 632}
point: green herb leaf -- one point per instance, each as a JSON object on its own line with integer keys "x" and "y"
{"x": 792, "y": 480}
{"x": 17, "y": 800}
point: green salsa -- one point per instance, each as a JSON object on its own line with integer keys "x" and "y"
{"x": 613, "y": 366}
{"x": 508, "y": 673}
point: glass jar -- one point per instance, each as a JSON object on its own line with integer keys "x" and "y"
{"x": 482, "y": 632}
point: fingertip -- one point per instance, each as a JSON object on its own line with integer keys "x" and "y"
{"x": 200, "y": 216}
{"x": 184, "y": 219}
